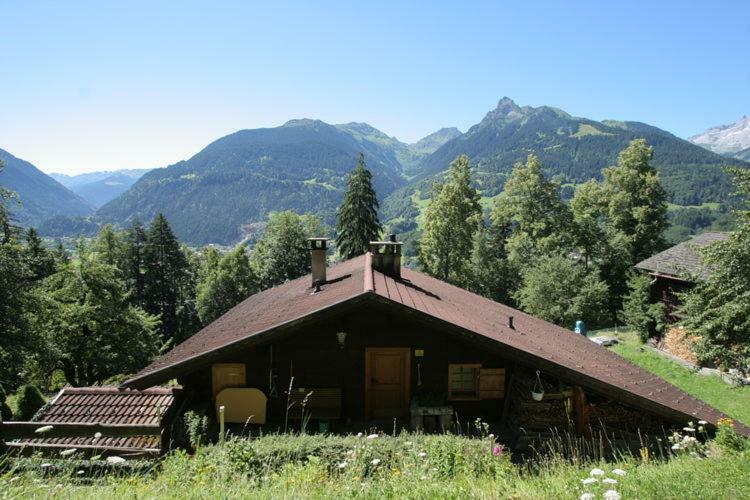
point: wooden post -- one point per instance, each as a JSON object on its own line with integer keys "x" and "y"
{"x": 508, "y": 394}
{"x": 583, "y": 425}
{"x": 221, "y": 425}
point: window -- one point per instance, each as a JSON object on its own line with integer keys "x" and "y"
{"x": 471, "y": 381}
{"x": 463, "y": 381}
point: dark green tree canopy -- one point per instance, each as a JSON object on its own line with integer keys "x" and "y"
{"x": 357, "y": 219}
{"x": 452, "y": 218}
{"x": 281, "y": 254}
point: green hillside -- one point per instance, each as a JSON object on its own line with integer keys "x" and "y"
{"x": 575, "y": 150}
{"x": 40, "y": 195}
{"x": 221, "y": 193}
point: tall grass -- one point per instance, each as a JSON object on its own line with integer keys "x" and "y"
{"x": 405, "y": 466}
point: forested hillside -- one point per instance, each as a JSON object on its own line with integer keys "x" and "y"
{"x": 220, "y": 193}
{"x": 225, "y": 192}
{"x": 575, "y": 150}
{"x": 40, "y": 195}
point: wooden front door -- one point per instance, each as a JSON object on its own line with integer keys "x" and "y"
{"x": 387, "y": 373}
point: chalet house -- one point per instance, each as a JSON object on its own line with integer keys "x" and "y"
{"x": 677, "y": 269}
{"x": 366, "y": 342}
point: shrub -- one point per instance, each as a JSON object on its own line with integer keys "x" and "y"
{"x": 637, "y": 310}
{"x": 727, "y": 438}
{"x": 28, "y": 401}
{"x": 197, "y": 427}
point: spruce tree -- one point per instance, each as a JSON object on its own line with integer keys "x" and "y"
{"x": 133, "y": 262}
{"x": 165, "y": 269}
{"x": 39, "y": 259}
{"x": 452, "y": 218}
{"x": 357, "y": 220}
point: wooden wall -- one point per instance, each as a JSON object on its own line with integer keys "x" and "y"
{"x": 314, "y": 358}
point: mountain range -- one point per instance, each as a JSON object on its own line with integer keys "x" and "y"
{"x": 225, "y": 192}
{"x": 41, "y": 197}
{"x": 732, "y": 139}
{"x": 97, "y": 188}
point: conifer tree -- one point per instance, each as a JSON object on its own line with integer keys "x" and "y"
{"x": 165, "y": 268}
{"x": 357, "y": 220}
{"x": 39, "y": 260}
{"x": 452, "y": 218}
{"x": 133, "y": 262}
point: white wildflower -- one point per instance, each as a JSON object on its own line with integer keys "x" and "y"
{"x": 611, "y": 495}
{"x": 68, "y": 452}
{"x": 589, "y": 480}
{"x": 702, "y": 422}
{"x": 341, "y": 465}
{"x": 115, "y": 460}
{"x": 587, "y": 496}
{"x": 97, "y": 435}
{"x": 609, "y": 480}
{"x": 619, "y": 472}
{"x": 359, "y": 434}
{"x": 676, "y": 446}
{"x": 491, "y": 436}
{"x": 688, "y": 429}
{"x": 701, "y": 428}
{"x": 80, "y": 472}
{"x": 375, "y": 461}
{"x": 43, "y": 429}
{"x": 422, "y": 454}
{"x": 45, "y": 465}
{"x": 372, "y": 436}
{"x": 597, "y": 472}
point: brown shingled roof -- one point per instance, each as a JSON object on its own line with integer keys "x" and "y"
{"x": 535, "y": 341}
{"x": 106, "y": 405}
{"x": 683, "y": 261}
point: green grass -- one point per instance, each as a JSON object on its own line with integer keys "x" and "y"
{"x": 411, "y": 466}
{"x": 734, "y": 401}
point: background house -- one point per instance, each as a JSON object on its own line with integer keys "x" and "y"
{"x": 677, "y": 269}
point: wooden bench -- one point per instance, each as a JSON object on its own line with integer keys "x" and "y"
{"x": 323, "y": 403}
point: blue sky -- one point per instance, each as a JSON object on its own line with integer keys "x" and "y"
{"x": 103, "y": 85}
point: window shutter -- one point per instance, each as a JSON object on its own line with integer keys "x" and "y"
{"x": 492, "y": 383}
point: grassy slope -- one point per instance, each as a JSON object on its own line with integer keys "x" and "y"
{"x": 734, "y": 401}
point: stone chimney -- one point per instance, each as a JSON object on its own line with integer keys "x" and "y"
{"x": 318, "y": 260}
{"x": 386, "y": 256}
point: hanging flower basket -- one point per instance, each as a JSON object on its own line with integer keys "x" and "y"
{"x": 537, "y": 393}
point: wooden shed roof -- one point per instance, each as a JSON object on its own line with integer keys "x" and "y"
{"x": 531, "y": 340}
{"x": 683, "y": 261}
{"x": 106, "y": 405}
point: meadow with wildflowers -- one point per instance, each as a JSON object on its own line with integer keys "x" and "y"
{"x": 383, "y": 466}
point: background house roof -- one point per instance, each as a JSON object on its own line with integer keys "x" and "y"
{"x": 536, "y": 341}
{"x": 683, "y": 261}
{"x": 106, "y": 405}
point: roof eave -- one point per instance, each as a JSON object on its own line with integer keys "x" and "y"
{"x": 172, "y": 370}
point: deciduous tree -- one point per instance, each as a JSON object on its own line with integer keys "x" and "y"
{"x": 452, "y": 218}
